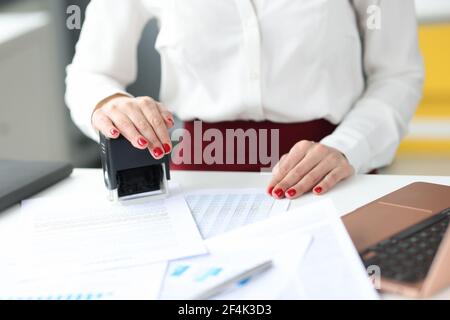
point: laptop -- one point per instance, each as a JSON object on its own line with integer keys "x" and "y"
{"x": 22, "y": 179}
{"x": 406, "y": 235}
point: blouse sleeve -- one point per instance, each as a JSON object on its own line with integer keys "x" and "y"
{"x": 106, "y": 57}
{"x": 371, "y": 132}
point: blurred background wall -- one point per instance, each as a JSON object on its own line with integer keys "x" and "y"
{"x": 35, "y": 47}
{"x": 426, "y": 150}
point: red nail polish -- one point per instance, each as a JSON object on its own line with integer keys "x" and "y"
{"x": 114, "y": 132}
{"x": 270, "y": 190}
{"x": 158, "y": 152}
{"x": 318, "y": 190}
{"x": 279, "y": 193}
{"x": 142, "y": 142}
{"x": 291, "y": 193}
{"x": 167, "y": 147}
{"x": 171, "y": 121}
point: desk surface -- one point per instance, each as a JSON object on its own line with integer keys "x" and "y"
{"x": 347, "y": 196}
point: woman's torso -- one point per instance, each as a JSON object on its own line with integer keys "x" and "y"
{"x": 283, "y": 61}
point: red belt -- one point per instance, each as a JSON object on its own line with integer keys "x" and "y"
{"x": 289, "y": 135}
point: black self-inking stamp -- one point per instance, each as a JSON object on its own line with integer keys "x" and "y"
{"x": 131, "y": 173}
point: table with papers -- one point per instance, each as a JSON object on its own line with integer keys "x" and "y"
{"x": 244, "y": 227}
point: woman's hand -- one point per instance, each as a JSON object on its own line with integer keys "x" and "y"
{"x": 308, "y": 166}
{"x": 142, "y": 121}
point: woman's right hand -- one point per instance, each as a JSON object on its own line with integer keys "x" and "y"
{"x": 142, "y": 121}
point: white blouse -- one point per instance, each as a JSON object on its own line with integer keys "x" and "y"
{"x": 278, "y": 60}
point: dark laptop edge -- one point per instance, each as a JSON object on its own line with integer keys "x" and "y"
{"x": 42, "y": 183}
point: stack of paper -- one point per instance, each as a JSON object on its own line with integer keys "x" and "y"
{"x": 313, "y": 255}
{"x": 229, "y": 256}
{"x": 77, "y": 248}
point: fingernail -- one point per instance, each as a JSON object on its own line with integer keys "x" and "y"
{"x": 270, "y": 190}
{"x": 291, "y": 193}
{"x": 318, "y": 190}
{"x": 171, "y": 121}
{"x": 167, "y": 147}
{"x": 142, "y": 142}
{"x": 279, "y": 193}
{"x": 114, "y": 132}
{"x": 158, "y": 152}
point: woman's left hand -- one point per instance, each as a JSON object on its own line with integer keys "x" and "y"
{"x": 308, "y": 166}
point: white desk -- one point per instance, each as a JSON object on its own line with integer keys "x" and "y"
{"x": 349, "y": 195}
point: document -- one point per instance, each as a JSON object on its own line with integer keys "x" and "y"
{"x": 221, "y": 210}
{"x": 331, "y": 268}
{"x": 231, "y": 255}
{"x": 101, "y": 235}
{"x": 136, "y": 283}
{"x": 313, "y": 254}
{"x": 85, "y": 250}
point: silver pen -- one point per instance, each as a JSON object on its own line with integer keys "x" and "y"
{"x": 260, "y": 268}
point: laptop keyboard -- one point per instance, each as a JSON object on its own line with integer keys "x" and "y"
{"x": 407, "y": 256}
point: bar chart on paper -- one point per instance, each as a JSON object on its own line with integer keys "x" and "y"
{"x": 186, "y": 279}
{"x": 66, "y": 296}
